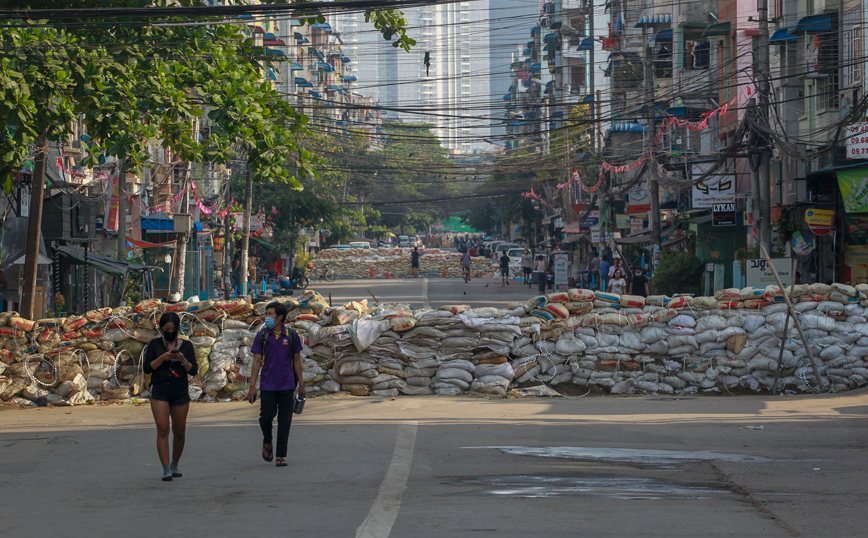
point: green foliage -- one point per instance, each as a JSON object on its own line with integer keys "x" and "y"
{"x": 678, "y": 272}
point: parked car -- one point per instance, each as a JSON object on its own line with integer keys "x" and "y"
{"x": 414, "y": 241}
{"x": 403, "y": 241}
{"x": 515, "y": 255}
{"x": 339, "y": 247}
{"x": 504, "y": 247}
{"x": 360, "y": 244}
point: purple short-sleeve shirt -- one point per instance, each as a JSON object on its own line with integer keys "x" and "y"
{"x": 277, "y": 370}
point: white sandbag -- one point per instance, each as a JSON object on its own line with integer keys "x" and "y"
{"x": 504, "y": 370}
{"x": 454, "y": 373}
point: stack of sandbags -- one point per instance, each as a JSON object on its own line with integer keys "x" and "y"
{"x": 395, "y": 263}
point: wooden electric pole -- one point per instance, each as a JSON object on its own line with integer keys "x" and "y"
{"x": 34, "y": 229}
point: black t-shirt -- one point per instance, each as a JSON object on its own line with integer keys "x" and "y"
{"x": 414, "y": 256}
{"x": 638, "y": 285}
{"x": 171, "y": 373}
{"x": 504, "y": 262}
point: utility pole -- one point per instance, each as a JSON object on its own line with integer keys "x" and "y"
{"x": 592, "y": 78}
{"x": 245, "y": 233}
{"x": 764, "y": 170}
{"x": 34, "y": 228}
{"x": 228, "y": 228}
{"x": 654, "y": 217}
{"x": 122, "y": 212}
{"x": 184, "y": 238}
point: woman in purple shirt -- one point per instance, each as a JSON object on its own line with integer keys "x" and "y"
{"x": 277, "y": 351}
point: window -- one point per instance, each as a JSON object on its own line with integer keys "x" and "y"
{"x": 697, "y": 54}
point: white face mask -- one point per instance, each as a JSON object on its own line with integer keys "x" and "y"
{"x": 638, "y": 274}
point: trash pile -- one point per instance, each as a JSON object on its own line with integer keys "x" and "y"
{"x": 577, "y": 339}
{"x": 395, "y": 263}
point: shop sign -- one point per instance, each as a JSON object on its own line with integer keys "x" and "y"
{"x": 723, "y": 213}
{"x": 622, "y": 221}
{"x": 639, "y": 201}
{"x": 561, "y": 268}
{"x": 593, "y": 219}
{"x": 820, "y": 220}
{"x": 759, "y": 273}
{"x": 636, "y": 226}
{"x": 802, "y": 244}
{"x": 857, "y": 141}
{"x": 854, "y": 189}
{"x": 714, "y": 189}
{"x": 856, "y": 254}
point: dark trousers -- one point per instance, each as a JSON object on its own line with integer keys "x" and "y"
{"x": 279, "y": 403}
{"x": 541, "y": 283}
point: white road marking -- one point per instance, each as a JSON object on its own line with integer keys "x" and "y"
{"x": 425, "y": 303}
{"x": 385, "y": 510}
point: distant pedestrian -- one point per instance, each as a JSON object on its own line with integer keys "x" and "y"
{"x": 277, "y": 351}
{"x": 504, "y": 270}
{"x": 595, "y": 270}
{"x": 414, "y": 262}
{"x": 617, "y": 284}
{"x": 465, "y": 264}
{"x": 639, "y": 285}
{"x": 473, "y": 251}
{"x": 168, "y": 360}
{"x": 540, "y": 270}
{"x": 527, "y": 266}
{"x": 604, "y": 272}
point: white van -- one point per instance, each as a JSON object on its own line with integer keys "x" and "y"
{"x": 360, "y": 244}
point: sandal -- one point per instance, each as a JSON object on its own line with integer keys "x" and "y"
{"x": 267, "y": 452}
{"x": 281, "y": 462}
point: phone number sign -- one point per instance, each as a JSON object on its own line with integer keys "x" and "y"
{"x": 857, "y": 141}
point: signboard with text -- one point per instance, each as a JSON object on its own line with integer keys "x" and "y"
{"x": 758, "y": 272}
{"x": 723, "y": 213}
{"x": 715, "y": 188}
{"x": 561, "y": 270}
{"x": 857, "y": 141}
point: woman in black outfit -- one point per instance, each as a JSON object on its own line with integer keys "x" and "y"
{"x": 169, "y": 359}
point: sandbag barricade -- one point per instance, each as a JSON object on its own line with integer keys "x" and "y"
{"x": 591, "y": 341}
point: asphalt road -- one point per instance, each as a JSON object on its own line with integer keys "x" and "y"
{"x": 436, "y": 291}
{"x": 446, "y": 467}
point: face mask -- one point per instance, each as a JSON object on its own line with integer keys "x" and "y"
{"x": 269, "y": 323}
{"x": 637, "y": 274}
{"x": 170, "y": 336}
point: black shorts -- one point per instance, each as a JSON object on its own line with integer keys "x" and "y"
{"x": 171, "y": 393}
{"x": 527, "y": 270}
{"x": 414, "y": 265}
{"x": 504, "y": 272}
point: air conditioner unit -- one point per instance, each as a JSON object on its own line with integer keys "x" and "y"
{"x": 183, "y": 223}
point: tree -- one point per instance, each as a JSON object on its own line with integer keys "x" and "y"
{"x": 131, "y": 83}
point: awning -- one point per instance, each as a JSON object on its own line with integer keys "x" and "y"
{"x": 314, "y": 50}
{"x": 135, "y": 243}
{"x": 268, "y": 37}
{"x": 262, "y": 243}
{"x": 507, "y": 97}
{"x": 160, "y": 222}
{"x": 815, "y": 23}
{"x": 664, "y": 35}
{"x": 325, "y": 66}
{"x": 651, "y": 20}
{"x": 295, "y": 66}
{"x": 535, "y": 67}
{"x": 555, "y": 25}
{"x": 274, "y": 42}
{"x": 642, "y": 238}
{"x": 535, "y": 30}
{"x": 108, "y": 265}
{"x": 588, "y": 98}
{"x": 350, "y": 78}
{"x": 574, "y": 238}
{"x": 314, "y": 94}
{"x": 721, "y": 28}
{"x": 41, "y": 260}
{"x": 783, "y": 36}
{"x": 586, "y": 44}
{"x": 294, "y": 22}
{"x": 556, "y": 114}
{"x": 275, "y": 52}
{"x": 302, "y": 82}
{"x": 551, "y": 38}
{"x": 346, "y": 59}
{"x": 333, "y": 88}
{"x": 271, "y": 74}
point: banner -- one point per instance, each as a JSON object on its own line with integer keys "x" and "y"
{"x": 854, "y": 189}
{"x": 717, "y": 188}
{"x": 112, "y": 220}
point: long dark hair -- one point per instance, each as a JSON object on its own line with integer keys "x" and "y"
{"x": 169, "y": 317}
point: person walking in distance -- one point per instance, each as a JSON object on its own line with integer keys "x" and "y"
{"x": 595, "y": 270}
{"x": 465, "y": 265}
{"x": 504, "y": 269}
{"x": 414, "y": 262}
{"x": 540, "y": 270}
{"x": 617, "y": 284}
{"x": 639, "y": 284}
{"x": 277, "y": 351}
{"x": 604, "y": 272}
{"x": 169, "y": 360}
{"x": 527, "y": 266}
